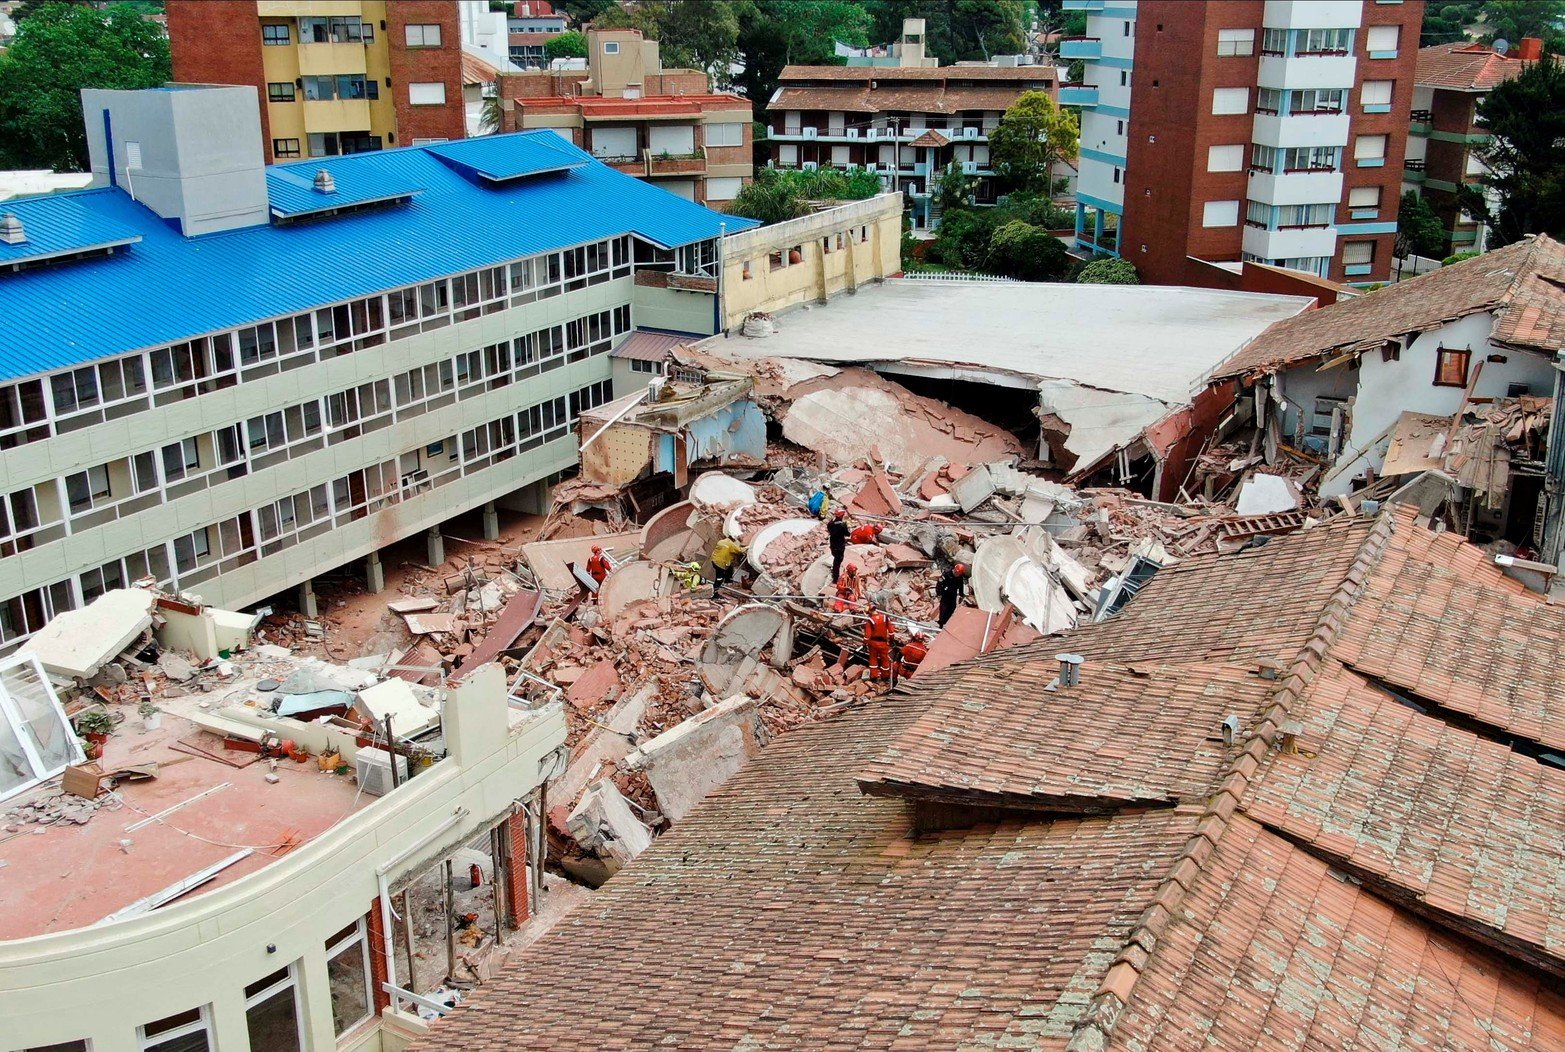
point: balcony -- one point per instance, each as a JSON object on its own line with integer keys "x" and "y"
{"x": 1088, "y": 49}
{"x": 1078, "y": 95}
{"x": 1294, "y": 72}
{"x": 1295, "y": 188}
{"x": 1291, "y": 243}
{"x": 1301, "y": 129}
{"x": 330, "y": 59}
{"x": 336, "y": 115}
{"x": 675, "y": 164}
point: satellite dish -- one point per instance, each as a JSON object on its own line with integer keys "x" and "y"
{"x": 1501, "y": 46}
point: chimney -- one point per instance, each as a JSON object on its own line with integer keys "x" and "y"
{"x": 1529, "y": 49}
{"x": 1070, "y": 669}
{"x": 11, "y": 230}
{"x": 324, "y": 183}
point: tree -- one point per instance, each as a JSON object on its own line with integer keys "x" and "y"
{"x": 58, "y": 50}
{"x": 954, "y": 188}
{"x": 962, "y": 242}
{"x": 1511, "y": 20}
{"x": 777, "y": 33}
{"x": 700, "y": 34}
{"x": 492, "y": 115}
{"x": 1028, "y": 253}
{"x": 583, "y": 12}
{"x": 1446, "y": 23}
{"x": 570, "y": 44}
{"x": 1030, "y": 138}
{"x": 1419, "y": 230}
{"x": 639, "y": 17}
{"x": 954, "y": 30}
{"x": 1109, "y": 271}
{"x": 1526, "y": 157}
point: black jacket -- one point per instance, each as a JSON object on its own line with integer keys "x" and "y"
{"x": 837, "y": 535}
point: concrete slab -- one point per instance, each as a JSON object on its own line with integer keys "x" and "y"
{"x": 604, "y": 824}
{"x": 551, "y": 560}
{"x": 746, "y": 630}
{"x": 1264, "y": 494}
{"x": 395, "y": 698}
{"x": 629, "y": 584}
{"x": 77, "y": 643}
{"x": 769, "y": 533}
{"x": 992, "y": 562}
{"x": 425, "y": 624}
{"x": 688, "y": 761}
{"x": 716, "y": 490}
{"x": 973, "y": 488}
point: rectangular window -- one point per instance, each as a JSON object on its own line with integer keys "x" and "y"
{"x": 724, "y": 189}
{"x": 725, "y": 134}
{"x": 1364, "y": 197}
{"x": 1268, "y": 100}
{"x": 186, "y": 1032}
{"x": 1232, "y": 42}
{"x": 1230, "y": 100}
{"x": 1311, "y": 158}
{"x": 1325, "y": 42}
{"x": 1263, "y": 158}
{"x": 1225, "y": 158}
{"x": 1375, "y": 96}
{"x": 285, "y": 148}
{"x": 1258, "y": 213}
{"x": 1316, "y": 100}
{"x": 1295, "y": 216}
{"x": 1274, "y": 42}
{"x": 272, "y": 1014}
{"x": 180, "y": 459}
{"x": 1451, "y": 366}
{"x": 1382, "y": 41}
{"x": 1369, "y": 151}
{"x": 276, "y": 33}
{"x": 611, "y": 47}
{"x": 1220, "y": 213}
{"x": 348, "y": 976}
{"x": 280, "y": 91}
{"x": 432, "y": 93}
{"x": 425, "y": 35}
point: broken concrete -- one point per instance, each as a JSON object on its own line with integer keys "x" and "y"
{"x": 604, "y": 824}
{"x": 631, "y": 583}
{"x": 77, "y": 643}
{"x": 686, "y": 763}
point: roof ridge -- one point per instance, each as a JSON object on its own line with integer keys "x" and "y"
{"x": 1108, "y": 1002}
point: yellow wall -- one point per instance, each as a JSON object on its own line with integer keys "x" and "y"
{"x": 295, "y": 120}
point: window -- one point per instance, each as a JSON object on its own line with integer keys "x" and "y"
{"x": 428, "y": 94}
{"x": 1268, "y": 100}
{"x": 1364, "y": 197}
{"x": 276, "y": 33}
{"x": 1258, "y": 213}
{"x": 611, "y": 47}
{"x": 271, "y": 1014}
{"x": 285, "y": 147}
{"x": 62, "y": 1046}
{"x": 180, "y": 459}
{"x": 1117, "y": 175}
{"x": 1382, "y": 41}
{"x": 1274, "y": 42}
{"x": 639, "y": 366}
{"x": 1369, "y": 151}
{"x": 1231, "y": 100}
{"x": 1325, "y": 42}
{"x": 1294, "y": 216}
{"x": 1451, "y": 367}
{"x": 87, "y": 488}
{"x": 348, "y": 975}
{"x": 1124, "y": 78}
{"x": 186, "y": 1032}
{"x": 1375, "y": 96}
{"x": 1311, "y": 158}
{"x": 1232, "y": 42}
{"x": 1225, "y": 158}
{"x": 1220, "y": 213}
{"x": 427, "y": 35}
{"x": 1316, "y": 100}
{"x": 280, "y": 91}
{"x": 724, "y": 189}
{"x": 725, "y": 134}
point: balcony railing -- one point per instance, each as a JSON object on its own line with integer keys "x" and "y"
{"x": 1085, "y": 48}
{"x": 1421, "y": 116}
{"x": 1413, "y": 164}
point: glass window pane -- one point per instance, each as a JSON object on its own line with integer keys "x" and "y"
{"x": 274, "y": 1023}
{"x": 350, "y": 991}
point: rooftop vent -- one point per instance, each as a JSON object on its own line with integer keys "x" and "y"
{"x": 1231, "y": 727}
{"x": 11, "y": 230}
{"x": 324, "y": 183}
{"x": 1070, "y": 669}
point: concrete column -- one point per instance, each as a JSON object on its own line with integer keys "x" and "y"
{"x": 491, "y": 522}
{"x": 308, "y": 605}
{"x": 437, "y": 546}
{"x": 374, "y": 573}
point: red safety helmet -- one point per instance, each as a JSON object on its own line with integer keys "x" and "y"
{"x": 839, "y": 514}
{"x": 960, "y": 569}
{"x": 597, "y": 549}
{"x": 850, "y": 570}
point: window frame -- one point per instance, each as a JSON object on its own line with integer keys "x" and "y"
{"x": 423, "y": 29}
{"x": 340, "y": 944}
{"x": 269, "y": 34}
{"x": 1443, "y": 355}
{"x": 202, "y": 1024}
{"x": 1235, "y": 43}
{"x": 281, "y": 149}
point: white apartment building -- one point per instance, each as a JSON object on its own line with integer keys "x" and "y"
{"x": 1108, "y": 56}
{"x": 231, "y": 378}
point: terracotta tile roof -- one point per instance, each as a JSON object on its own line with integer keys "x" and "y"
{"x": 1465, "y": 66}
{"x": 644, "y": 345}
{"x": 1441, "y": 622}
{"x": 1271, "y": 949}
{"x": 931, "y": 138}
{"x": 1092, "y": 747}
{"x": 476, "y": 71}
{"x": 789, "y": 911}
{"x": 923, "y": 95}
{"x": 1386, "y": 792}
{"x": 848, "y": 99}
{"x": 1024, "y": 75}
{"x": 1521, "y": 283}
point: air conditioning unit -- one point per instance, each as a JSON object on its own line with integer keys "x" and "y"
{"x": 809, "y": 133}
{"x": 810, "y": 166}
{"x": 373, "y": 769}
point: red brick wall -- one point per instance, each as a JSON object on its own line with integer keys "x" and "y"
{"x": 516, "y": 872}
{"x": 375, "y": 932}
{"x": 219, "y": 42}
{"x": 426, "y": 65}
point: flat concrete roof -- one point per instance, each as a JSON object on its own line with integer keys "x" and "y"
{"x": 1156, "y": 341}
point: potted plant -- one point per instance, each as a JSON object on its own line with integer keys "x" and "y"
{"x": 95, "y": 725}
{"x": 151, "y": 715}
{"x": 91, "y": 750}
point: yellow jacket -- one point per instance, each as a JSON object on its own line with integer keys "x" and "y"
{"x": 727, "y": 553}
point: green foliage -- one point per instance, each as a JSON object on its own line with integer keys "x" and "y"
{"x": 954, "y": 30}
{"x": 1108, "y": 271}
{"x": 1028, "y": 253}
{"x": 778, "y": 195}
{"x": 1446, "y": 22}
{"x": 1030, "y": 138}
{"x": 570, "y": 44}
{"x": 962, "y": 242}
{"x": 1036, "y": 209}
{"x": 60, "y": 49}
{"x": 1458, "y": 257}
{"x": 1419, "y": 230}
{"x": 700, "y": 34}
{"x": 639, "y": 17}
{"x": 583, "y": 12}
{"x": 492, "y": 115}
{"x": 1526, "y": 158}
{"x": 953, "y": 188}
{"x": 776, "y": 33}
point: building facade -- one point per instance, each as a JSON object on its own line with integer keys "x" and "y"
{"x": 239, "y": 428}
{"x": 665, "y": 126}
{"x": 906, "y": 123}
{"x": 1452, "y": 80}
{"x": 1281, "y": 144}
{"x": 334, "y": 77}
{"x": 532, "y": 23}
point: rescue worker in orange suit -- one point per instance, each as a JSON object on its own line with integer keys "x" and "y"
{"x": 912, "y": 653}
{"x": 866, "y": 534}
{"x": 598, "y": 565}
{"x": 837, "y": 540}
{"x": 950, "y": 589}
{"x": 877, "y": 641}
{"x": 847, "y": 588}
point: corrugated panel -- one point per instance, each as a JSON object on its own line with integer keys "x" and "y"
{"x": 357, "y": 181}
{"x": 501, "y": 157}
{"x": 59, "y": 225}
{"x": 169, "y": 288}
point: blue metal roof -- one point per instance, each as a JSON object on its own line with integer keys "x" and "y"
{"x": 168, "y": 288}
{"x": 498, "y": 158}
{"x": 356, "y": 178}
{"x": 60, "y": 225}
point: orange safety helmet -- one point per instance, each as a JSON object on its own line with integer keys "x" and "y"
{"x": 960, "y": 569}
{"x": 839, "y": 514}
{"x": 850, "y": 570}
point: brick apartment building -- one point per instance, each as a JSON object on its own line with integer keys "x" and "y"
{"x": 1261, "y": 130}
{"x": 334, "y": 77}
{"x": 1452, "y": 80}
{"x": 664, "y": 125}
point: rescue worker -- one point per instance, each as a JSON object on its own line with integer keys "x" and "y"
{"x": 847, "y": 588}
{"x": 877, "y": 641}
{"x": 598, "y": 566}
{"x": 689, "y": 575}
{"x": 837, "y": 540}
{"x": 912, "y": 653}
{"x": 725, "y": 559}
{"x": 866, "y": 534}
{"x": 820, "y": 501}
{"x": 951, "y": 588}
